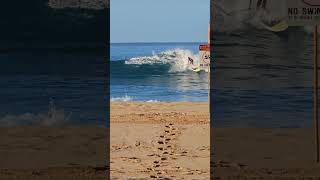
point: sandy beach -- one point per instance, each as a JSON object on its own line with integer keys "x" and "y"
{"x": 53, "y": 153}
{"x": 160, "y": 140}
{"x": 253, "y": 153}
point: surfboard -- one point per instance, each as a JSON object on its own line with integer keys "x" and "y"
{"x": 251, "y": 13}
{"x": 196, "y": 69}
{"x": 278, "y": 27}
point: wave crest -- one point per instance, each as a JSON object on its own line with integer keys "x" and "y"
{"x": 176, "y": 58}
{"x": 54, "y": 117}
{"x": 127, "y": 98}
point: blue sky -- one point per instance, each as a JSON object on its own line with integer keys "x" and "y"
{"x": 159, "y": 20}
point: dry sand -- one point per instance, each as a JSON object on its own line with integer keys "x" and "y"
{"x": 160, "y": 140}
{"x": 53, "y": 153}
{"x": 252, "y": 153}
{"x": 169, "y": 140}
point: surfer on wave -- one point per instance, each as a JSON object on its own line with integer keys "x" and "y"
{"x": 190, "y": 60}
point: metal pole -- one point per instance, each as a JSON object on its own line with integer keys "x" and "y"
{"x": 315, "y": 91}
{"x": 250, "y": 4}
{"x": 209, "y": 80}
{"x": 209, "y": 86}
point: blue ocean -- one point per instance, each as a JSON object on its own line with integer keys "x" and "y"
{"x": 42, "y": 85}
{"x": 156, "y": 72}
{"x": 263, "y": 79}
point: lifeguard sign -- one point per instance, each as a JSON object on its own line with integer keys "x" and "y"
{"x": 303, "y": 12}
{"x": 204, "y": 56}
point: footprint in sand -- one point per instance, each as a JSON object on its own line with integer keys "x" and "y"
{"x": 203, "y": 148}
{"x": 159, "y": 177}
{"x": 153, "y": 155}
{"x": 183, "y": 153}
{"x": 163, "y": 158}
{"x": 188, "y": 173}
{"x": 164, "y": 143}
{"x": 131, "y": 159}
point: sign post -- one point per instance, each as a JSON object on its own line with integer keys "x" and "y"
{"x": 315, "y": 91}
{"x": 205, "y": 60}
{"x": 301, "y": 13}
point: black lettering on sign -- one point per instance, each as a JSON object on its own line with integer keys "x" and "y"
{"x": 293, "y": 11}
{"x": 310, "y": 11}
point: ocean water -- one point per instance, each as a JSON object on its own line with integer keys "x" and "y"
{"x": 261, "y": 78}
{"x": 156, "y": 72}
{"x": 53, "y": 86}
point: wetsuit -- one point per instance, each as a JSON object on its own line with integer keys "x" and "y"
{"x": 190, "y": 60}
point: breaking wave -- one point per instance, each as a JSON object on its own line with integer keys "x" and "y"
{"x": 127, "y": 98}
{"x": 234, "y": 16}
{"x": 176, "y": 58}
{"x": 53, "y": 117}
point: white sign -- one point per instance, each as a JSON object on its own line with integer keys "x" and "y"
{"x": 303, "y": 12}
{"x": 204, "y": 59}
{"x": 204, "y": 56}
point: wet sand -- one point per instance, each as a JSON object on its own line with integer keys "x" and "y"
{"x": 160, "y": 140}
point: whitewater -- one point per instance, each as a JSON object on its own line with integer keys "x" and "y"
{"x": 156, "y": 72}
{"x": 176, "y": 58}
{"x": 235, "y": 16}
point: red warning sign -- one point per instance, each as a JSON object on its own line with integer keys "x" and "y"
{"x": 204, "y": 47}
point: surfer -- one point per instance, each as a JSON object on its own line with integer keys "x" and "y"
{"x": 262, "y": 4}
{"x": 190, "y": 60}
{"x": 195, "y": 69}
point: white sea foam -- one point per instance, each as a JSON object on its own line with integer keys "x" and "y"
{"x": 233, "y": 15}
{"x": 127, "y": 98}
{"x": 152, "y": 101}
{"x": 177, "y": 58}
{"x": 53, "y": 117}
